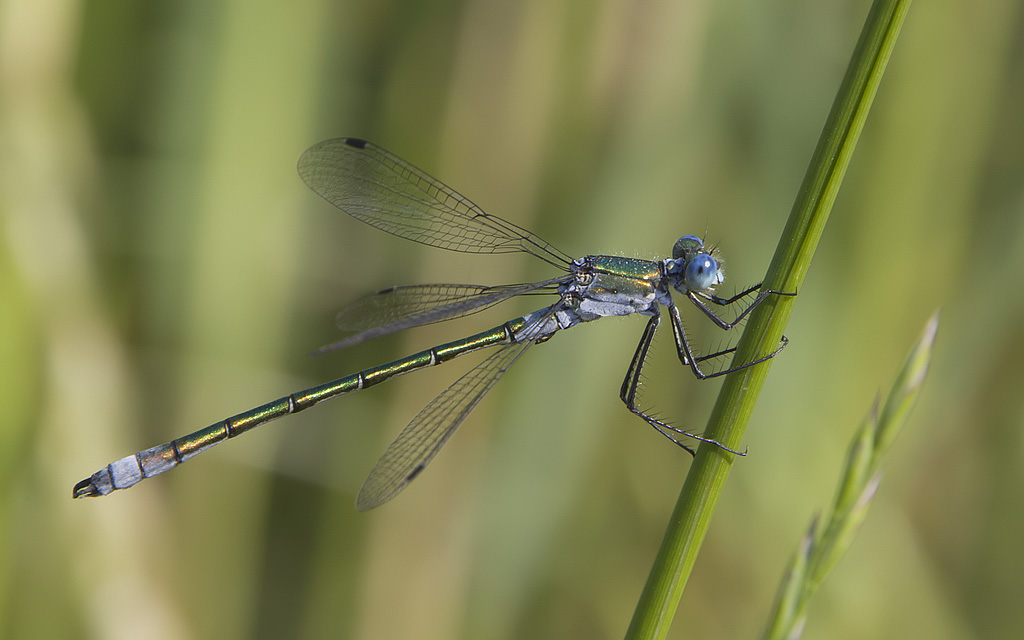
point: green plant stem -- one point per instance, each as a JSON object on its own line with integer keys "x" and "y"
{"x": 692, "y": 514}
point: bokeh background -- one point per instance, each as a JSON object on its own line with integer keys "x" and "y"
{"x": 162, "y": 267}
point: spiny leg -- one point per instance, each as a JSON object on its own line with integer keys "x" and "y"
{"x": 695, "y": 298}
{"x": 686, "y": 353}
{"x": 631, "y": 382}
{"x": 727, "y": 301}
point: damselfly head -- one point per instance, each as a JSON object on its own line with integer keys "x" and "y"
{"x": 692, "y": 267}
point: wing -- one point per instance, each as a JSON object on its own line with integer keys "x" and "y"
{"x": 386, "y": 192}
{"x": 405, "y": 307}
{"x": 420, "y": 441}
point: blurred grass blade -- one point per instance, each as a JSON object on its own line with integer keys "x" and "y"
{"x": 692, "y": 514}
{"x": 838, "y": 536}
{"x": 815, "y": 560}
{"x": 904, "y": 391}
{"x": 790, "y": 593}
{"x": 859, "y": 461}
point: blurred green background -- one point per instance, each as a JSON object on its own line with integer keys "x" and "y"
{"x": 162, "y": 267}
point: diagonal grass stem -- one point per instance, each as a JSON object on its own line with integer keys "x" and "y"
{"x": 692, "y": 514}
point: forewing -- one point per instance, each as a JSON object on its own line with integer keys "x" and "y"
{"x": 384, "y": 191}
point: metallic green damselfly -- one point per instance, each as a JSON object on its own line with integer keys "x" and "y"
{"x": 386, "y": 192}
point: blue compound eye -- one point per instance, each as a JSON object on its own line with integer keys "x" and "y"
{"x": 701, "y": 272}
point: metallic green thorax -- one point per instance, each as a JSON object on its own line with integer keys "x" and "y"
{"x": 628, "y": 268}
{"x": 615, "y": 286}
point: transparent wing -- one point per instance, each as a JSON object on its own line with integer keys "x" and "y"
{"x": 384, "y": 191}
{"x": 410, "y": 306}
{"x": 420, "y": 441}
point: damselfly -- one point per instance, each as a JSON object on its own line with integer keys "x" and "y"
{"x": 386, "y": 192}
